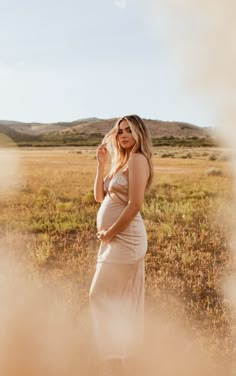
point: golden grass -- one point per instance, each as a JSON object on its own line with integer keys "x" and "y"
{"x": 52, "y": 219}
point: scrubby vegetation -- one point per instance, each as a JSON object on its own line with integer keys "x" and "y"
{"x": 186, "y": 213}
{"x": 95, "y": 140}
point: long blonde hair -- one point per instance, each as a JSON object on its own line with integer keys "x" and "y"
{"x": 119, "y": 156}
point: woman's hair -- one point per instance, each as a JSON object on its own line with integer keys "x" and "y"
{"x": 143, "y": 145}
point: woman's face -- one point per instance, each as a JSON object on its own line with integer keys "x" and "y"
{"x": 125, "y": 136}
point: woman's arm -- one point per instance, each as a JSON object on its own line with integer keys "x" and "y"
{"x": 138, "y": 177}
{"x": 98, "y": 184}
{"x": 102, "y": 157}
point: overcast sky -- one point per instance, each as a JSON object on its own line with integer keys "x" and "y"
{"x": 62, "y": 60}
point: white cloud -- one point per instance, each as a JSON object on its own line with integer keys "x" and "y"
{"x": 120, "y": 3}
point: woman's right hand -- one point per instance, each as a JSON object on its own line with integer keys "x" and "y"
{"x": 102, "y": 154}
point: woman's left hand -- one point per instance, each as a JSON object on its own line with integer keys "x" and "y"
{"x": 104, "y": 236}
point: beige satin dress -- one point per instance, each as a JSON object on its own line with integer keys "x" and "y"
{"x": 117, "y": 289}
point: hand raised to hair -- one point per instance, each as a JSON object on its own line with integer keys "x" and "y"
{"x": 102, "y": 154}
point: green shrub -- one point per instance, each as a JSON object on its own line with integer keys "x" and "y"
{"x": 89, "y": 198}
{"x": 214, "y": 171}
{"x": 186, "y": 156}
{"x": 167, "y": 155}
{"x": 213, "y": 157}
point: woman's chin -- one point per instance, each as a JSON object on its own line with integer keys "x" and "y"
{"x": 126, "y": 147}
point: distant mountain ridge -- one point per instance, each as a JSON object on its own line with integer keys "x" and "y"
{"x": 19, "y": 131}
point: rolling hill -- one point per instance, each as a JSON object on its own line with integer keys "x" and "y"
{"x": 90, "y": 131}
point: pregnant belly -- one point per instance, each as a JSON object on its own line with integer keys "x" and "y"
{"x": 108, "y": 213}
{"x": 127, "y": 246}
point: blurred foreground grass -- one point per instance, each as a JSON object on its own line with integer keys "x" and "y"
{"x": 50, "y": 226}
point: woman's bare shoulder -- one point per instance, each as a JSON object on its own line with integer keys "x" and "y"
{"x": 137, "y": 158}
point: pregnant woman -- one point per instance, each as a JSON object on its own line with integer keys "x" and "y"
{"x": 117, "y": 290}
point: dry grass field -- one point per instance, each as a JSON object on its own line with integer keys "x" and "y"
{"x": 50, "y": 226}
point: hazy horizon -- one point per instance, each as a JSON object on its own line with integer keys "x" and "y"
{"x": 97, "y": 118}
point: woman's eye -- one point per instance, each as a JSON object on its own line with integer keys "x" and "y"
{"x": 129, "y": 131}
{"x": 120, "y": 132}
